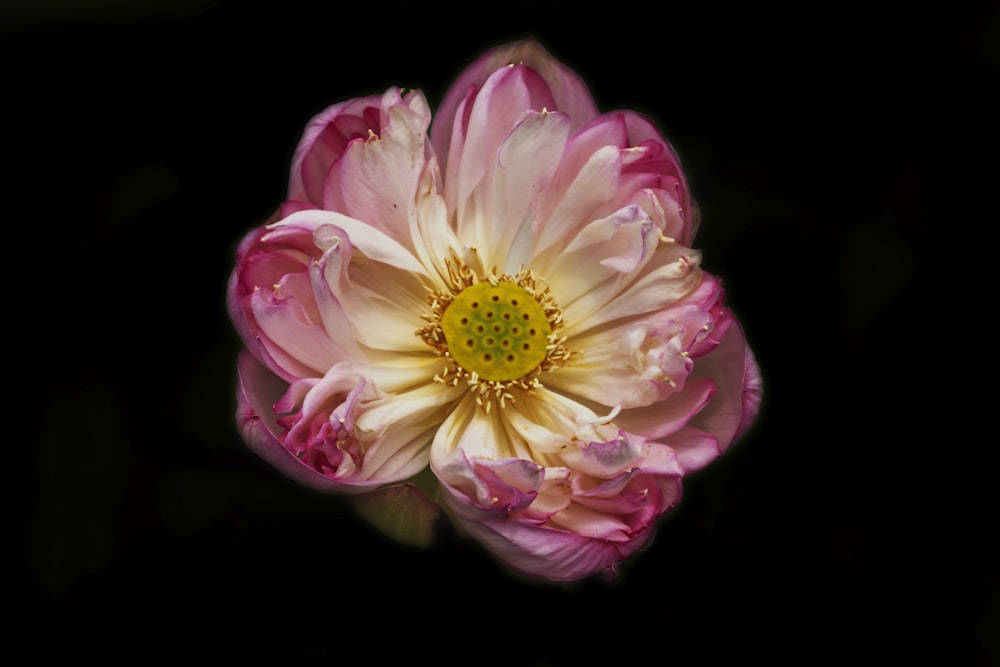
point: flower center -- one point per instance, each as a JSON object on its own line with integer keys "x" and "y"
{"x": 498, "y": 334}
{"x": 498, "y": 331}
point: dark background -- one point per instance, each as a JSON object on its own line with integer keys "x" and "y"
{"x": 827, "y": 150}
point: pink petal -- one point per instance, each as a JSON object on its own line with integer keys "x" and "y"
{"x": 737, "y": 401}
{"x": 323, "y": 142}
{"x": 568, "y": 90}
{"x": 258, "y": 390}
{"x": 556, "y": 554}
{"x": 658, "y": 420}
{"x": 376, "y": 178}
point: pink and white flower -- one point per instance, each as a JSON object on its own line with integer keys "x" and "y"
{"x": 510, "y": 298}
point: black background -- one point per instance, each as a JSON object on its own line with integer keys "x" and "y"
{"x": 826, "y": 148}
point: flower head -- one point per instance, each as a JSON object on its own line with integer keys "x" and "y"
{"x": 509, "y": 296}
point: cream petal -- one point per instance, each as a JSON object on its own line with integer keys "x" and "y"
{"x": 628, "y": 366}
{"x": 472, "y": 430}
{"x": 433, "y": 237}
{"x": 604, "y": 257}
{"x": 373, "y": 243}
{"x": 673, "y": 272}
{"x": 398, "y": 372}
{"x": 380, "y": 301}
{"x": 583, "y": 200}
{"x": 424, "y": 406}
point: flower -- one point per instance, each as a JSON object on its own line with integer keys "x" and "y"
{"x": 510, "y": 299}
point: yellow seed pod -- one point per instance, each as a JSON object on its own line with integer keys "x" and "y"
{"x": 498, "y": 331}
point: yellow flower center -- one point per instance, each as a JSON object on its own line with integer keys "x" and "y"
{"x": 498, "y": 331}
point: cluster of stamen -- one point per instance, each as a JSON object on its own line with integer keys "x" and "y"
{"x": 497, "y": 333}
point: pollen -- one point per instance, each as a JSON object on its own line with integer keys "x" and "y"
{"x": 498, "y": 333}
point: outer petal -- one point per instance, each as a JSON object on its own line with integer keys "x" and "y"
{"x": 737, "y": 401}
{"x": 324, "y": 140}
{"x": 269, "y": 304}
{"x": 554, "y": 553}
{"x": 618, "y": 159}
{"x": 258, "y": 391}
{"x": 568, "y": 90}
{"x": 498, "y": 114}
{"x": 376, "y": 178}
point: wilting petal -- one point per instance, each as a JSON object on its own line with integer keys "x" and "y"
{"x": 259, "y": 390}
{"x": 595, "y": 494}
{"x": 491, "y": 487}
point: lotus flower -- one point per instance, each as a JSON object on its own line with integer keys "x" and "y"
{"x": 509, "y": 299}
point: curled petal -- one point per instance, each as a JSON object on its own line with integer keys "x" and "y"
{"x": 374, "y": 305}
{"x": 291, "y": 327}
{"x": 268, "y": 304}
{"x": 258, "y": 390}
{"x": 326, "y": 432}
{"x": 603, "y": 459}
